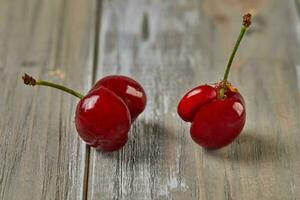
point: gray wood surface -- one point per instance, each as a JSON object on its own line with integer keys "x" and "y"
{"x": 41, "y": 156}
{"x": 169, "y": 47}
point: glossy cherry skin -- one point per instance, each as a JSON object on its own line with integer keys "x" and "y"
{"x": 215, "y": 122}
{"x": 103, "y": 120}
{"x": 130, "y": 91}
{"x": 194, "y": 99}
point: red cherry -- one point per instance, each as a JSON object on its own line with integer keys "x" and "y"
{"x": 103, "y": 116}
{"x": 102, "y": 120}
{"x": 130, "y": 91}
{"x": 217, "y": 112}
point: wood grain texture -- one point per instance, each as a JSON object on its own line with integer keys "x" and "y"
{"x": 41, "y": 156}
{"x": 169, "y": 47}
{"x": 172, "y": 46}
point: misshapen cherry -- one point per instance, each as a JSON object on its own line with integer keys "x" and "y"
{"x": 103, "y": 116}
{"x": 216, "y": 122}
{"x": 217, "y": 112}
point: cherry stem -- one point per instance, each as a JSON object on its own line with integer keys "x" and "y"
{"x": 29, "y": 80}
{"x": 246, "y": 24}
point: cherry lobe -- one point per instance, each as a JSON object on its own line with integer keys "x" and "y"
{"x": 194, "y": 99}
{"x": 130, "y": 91}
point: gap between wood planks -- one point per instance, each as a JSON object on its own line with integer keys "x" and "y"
{"x": 98, "y": 5}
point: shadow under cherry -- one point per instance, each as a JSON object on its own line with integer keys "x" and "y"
{"x": 250, "y": 147}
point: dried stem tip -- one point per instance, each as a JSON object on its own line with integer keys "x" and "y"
{"x": 247, "y": 20}
{"x": 28, "y": 80}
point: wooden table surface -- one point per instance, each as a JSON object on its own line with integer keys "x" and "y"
{"x": 169, "y": 46}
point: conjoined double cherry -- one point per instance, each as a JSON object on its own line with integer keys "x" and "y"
{"x": 104, "y": 116}
{"x": 217, "y": 112}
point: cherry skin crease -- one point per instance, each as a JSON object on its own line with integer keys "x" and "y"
{"x": 215, "y": 122}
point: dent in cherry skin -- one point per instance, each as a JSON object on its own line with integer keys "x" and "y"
{"x": 129, "y": 90}
{"x": 103, "y": 120}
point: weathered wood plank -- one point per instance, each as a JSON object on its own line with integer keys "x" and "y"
{"x": 41, "y": 155}
{"x": 156, "y": 43}
{"x": 171, "y": 46}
